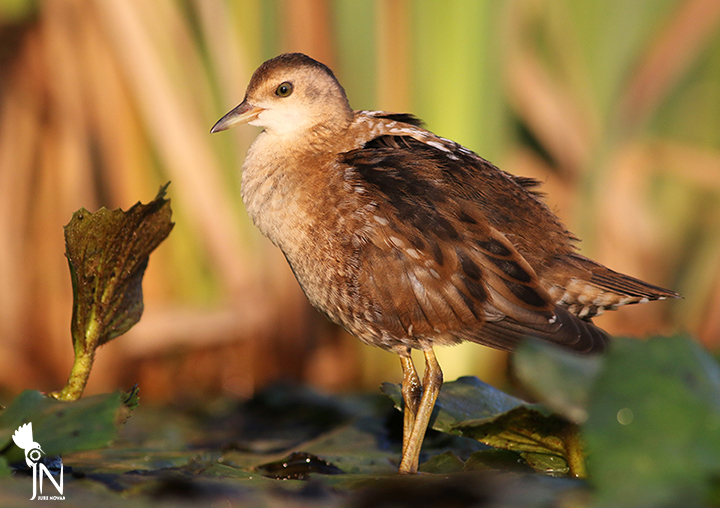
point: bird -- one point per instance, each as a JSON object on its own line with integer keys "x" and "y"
{"x": 23, "y": 438}
{"x": 409, "y": 240}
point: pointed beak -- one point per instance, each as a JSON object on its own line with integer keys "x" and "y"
{"x": 244, "y": 113}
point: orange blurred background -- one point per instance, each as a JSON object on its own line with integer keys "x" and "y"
{"x": 615, "y": 105}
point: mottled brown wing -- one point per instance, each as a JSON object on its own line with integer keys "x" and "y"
{"x": 587, "y": 289}
{"x": 435, "y": 268}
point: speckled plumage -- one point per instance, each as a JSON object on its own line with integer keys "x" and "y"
{"x": 407, "y": 239}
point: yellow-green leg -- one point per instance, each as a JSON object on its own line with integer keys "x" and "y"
{"x": 411, "y": 392}
{"x": 432, "y": 381}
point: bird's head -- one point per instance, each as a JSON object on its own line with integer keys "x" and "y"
{"x": 291, "y": 94}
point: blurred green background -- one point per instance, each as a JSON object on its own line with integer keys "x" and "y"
{"x": 614, "y": 104}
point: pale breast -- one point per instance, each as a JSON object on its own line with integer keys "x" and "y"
{"x": 304, "y": 206}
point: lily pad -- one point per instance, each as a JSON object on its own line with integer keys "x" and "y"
{"x": 465, "y": 399}
{"x": 444, "y": 463}
{"x": 495, "y": 459}
{"x": 468, "y": 407}
{"x": 187, "y": 456}
{"x": 653, "y": 430}
{"x": 60, "y": 427}
{"x": 539, "y": 437}
{"x": 560, "y": 379}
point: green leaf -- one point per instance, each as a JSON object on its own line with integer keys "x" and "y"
{"x": 130, "y": 402}
{"x": 444, "y": 463}
{"x": 60, "y": 427}
{"x": 108, "y": 252}
{"x": 468, "y": 398}
{"x": 468, "y": 407}
{"x": 495, "y": 459}
{"x": 653, "y": 430}
{"x": 539, "y": 437}
{"x": 131, "y": 398}
{"x": 558, "y": 378}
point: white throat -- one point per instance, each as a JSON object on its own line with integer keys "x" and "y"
{"x": 283, "y": 121}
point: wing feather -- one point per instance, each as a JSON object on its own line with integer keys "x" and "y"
{"x": 439, "y": 261}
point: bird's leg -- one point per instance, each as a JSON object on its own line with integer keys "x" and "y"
{"x": 432, "y": 381}
{"x": 411, "y": 392}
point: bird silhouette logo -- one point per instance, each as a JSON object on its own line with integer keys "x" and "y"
{"x": 23, "y": 438}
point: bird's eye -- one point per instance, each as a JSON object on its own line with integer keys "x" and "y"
{"x": 284, "y": 90}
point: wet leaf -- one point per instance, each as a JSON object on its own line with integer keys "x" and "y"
{"x": 130, "y": 402}
{"x": 60, "y": 427}
{"x": 444, "y": 463}
{"x": 283, "y": 417}
{"x": 495, "y": 459}
{"x": 358, "y": 447}
{"x": 180, "y": 456}
{"x": 297, "y": 466}
{"x": 131, "y": 399}
{"x": 108, "y": 252}
{"x": 558, "y": 378}
{"x": 539, "y": 437}
{"x": 468, "y": 407}
{"x": 467, "y": 398}
{"x": 653, "y": 430}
